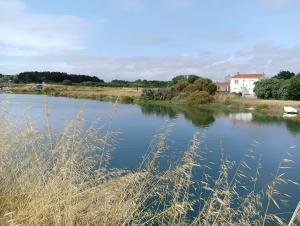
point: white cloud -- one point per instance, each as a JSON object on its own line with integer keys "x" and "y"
{"x": 27, "y": 34}
{"x": 263, "y": 57}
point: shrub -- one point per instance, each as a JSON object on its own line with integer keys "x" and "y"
{"x": 294, "y": 88}
{"x": 67, "y": 82}
{"x": 267, "y": 89}
{"x": 181, "y": 85}
{"x": 127, "y": 100}
{"x": 47, "y": 90}
{"x": 202, "y": 85}
{"x": 159, "y": 94}
{"x": 199, "y": 97}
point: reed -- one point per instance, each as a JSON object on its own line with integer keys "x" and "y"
{"x": 63, "y": 178}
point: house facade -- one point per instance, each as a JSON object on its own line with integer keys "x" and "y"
{"x": 223, "y": 86}
{"x": 244, "y": 83}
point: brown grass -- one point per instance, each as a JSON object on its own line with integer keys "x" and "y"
{"x": 88, "y": 92}
{"x": 62, "y": 178}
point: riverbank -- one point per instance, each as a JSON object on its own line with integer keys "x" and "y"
{"x": 222, "y": 103}
{"x": 126, "y": 95}
{"x": 232, "y": 104}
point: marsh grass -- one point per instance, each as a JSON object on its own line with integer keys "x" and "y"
{"x": 63, "y": 178}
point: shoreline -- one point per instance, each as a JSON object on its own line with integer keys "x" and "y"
{"x": 225, "y": 103}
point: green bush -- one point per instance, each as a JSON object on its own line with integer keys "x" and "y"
{"x": 127, "y": 100}
{"x": 267, "y": 89}
{"x": 202, "y": 85}
{"x": 294, "y": 88}
{"x": 199, "y": 97}
{"x": 67, "y": 82}
{"x": 181, "y": 85}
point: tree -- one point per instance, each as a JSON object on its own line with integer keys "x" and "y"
{"x": 267, "y": 89}
{"x": 178, "y": 78}
{"x": 192, "y": 78}
{"x": 284, "y": 75}
{"x": 294, "y": 88}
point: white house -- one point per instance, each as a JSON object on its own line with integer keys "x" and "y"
{"x": 244, "y": 83}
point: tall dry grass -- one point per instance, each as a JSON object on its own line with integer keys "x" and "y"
{"x": 62, "y": 178}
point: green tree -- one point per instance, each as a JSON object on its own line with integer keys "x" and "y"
{"x": 294, "y": 88}
{"x": 284, "y": 75}
{"x": 267, "y": 89}
{"x": 178, "y": 78}
{"x": 192, "y": 78}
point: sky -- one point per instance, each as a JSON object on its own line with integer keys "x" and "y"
{"x": 150, "y": 39}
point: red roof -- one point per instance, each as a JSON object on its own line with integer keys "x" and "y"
{"x": 222, "y": 84}
{"x": 257, "y": 75}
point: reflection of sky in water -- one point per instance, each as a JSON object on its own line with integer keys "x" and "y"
{"x": 269, "y": 137}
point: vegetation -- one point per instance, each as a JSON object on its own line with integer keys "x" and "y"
{"x": 50, "y": 178}
{"x": 54, "y": 77}
{"x": 284, "y": 86}
{"x": 294, "y": 88}
{"x": 194, "y": 89}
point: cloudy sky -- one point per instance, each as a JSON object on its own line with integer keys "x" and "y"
{"x": 150, "y": 39}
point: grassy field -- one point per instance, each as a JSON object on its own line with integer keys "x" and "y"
{"x": 98, "y": 93}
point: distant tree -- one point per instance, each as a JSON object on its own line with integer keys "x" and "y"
{"x": 284, "y": 75}
{"x": 54, "y": 77}
{"x": 192, "y": 78}
{"x": 178, "y": 78}
{"x": 181, "y": 85}
{"x": 294, "y": 88}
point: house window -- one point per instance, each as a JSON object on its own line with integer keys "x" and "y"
{"x": 236, "y": 82}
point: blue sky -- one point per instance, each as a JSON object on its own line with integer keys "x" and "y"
{"x": 151, "y": 39}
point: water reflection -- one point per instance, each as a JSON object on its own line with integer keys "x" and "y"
{"x": 204, "y": 118}
{"x": 201, "y": 118}
{"x": 241, "y": 117}
{"x": 292, "y": 125}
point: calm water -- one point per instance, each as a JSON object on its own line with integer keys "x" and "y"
{"x": 270, "y": 138}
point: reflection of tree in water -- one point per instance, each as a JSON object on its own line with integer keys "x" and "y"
{"x": 148, "y": 109}
{"x": 201, "y": 118}
{"x": 292, "y": 125}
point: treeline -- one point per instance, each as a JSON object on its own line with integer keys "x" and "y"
{"x": 85, "y": 80}
{"x": 54, "y": 77}
{"x": 285, "y": 86}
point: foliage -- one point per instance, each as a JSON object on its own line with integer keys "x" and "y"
{"x": 189, "y": 78}
{"x": 127, "y": 100}
{"x": 54, "y": 77}
{"x": 284, "y": 75}
{"x": 202, "y": 85}
{"x": 199, "y": 88}
{"x": 67, "y": 82}
{"x": 181, "y": 85}
{"x": 283, "y": 89}
{"x": 267, "y": 89}
{"x": 294, "y": 88}
{"x": 159, "y": 94}
{"x": 199, "y": 97}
